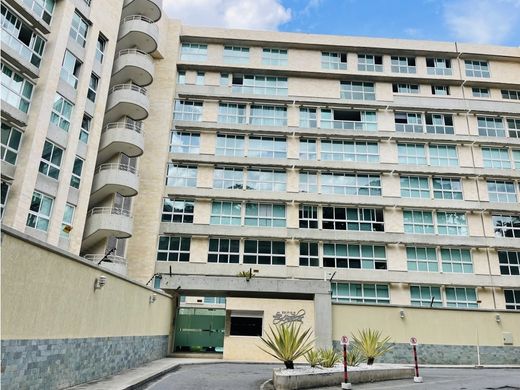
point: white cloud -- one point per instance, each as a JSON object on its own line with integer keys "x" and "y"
{"x": 246, "y": 14}
{"x": 482, "y": 21}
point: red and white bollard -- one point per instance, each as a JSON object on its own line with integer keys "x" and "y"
{"x": 416, "y": 378}
{"x": 346, "y": 384}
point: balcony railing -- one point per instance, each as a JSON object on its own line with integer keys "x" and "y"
{"x": 96, "y": 258}
{"x": 130, "y": 87}
{"x": 20, "y": 48}
{"x": 348, "y": 125}
{"x": 109, "y": 210}
{"x": 142, "y": 19}
{"x": 114, "y": 166}
{"x": 133, "y": 51}
{"x": 136, "y": 126}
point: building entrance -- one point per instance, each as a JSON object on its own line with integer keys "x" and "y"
{"x": 199, "y": 330}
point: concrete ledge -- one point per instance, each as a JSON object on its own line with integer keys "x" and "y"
{"x": 321, "y": 377}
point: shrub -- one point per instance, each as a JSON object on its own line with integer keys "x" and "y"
{"x": 371, "y": 345}
{"x": 329, "y": 357}
{"x": 287, "y": 343}
{"x": 354, "y": 357}
{"x": 313, "y": 357}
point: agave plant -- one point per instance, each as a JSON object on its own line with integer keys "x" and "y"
{"x": 354, "y": 357}
{"x": 313, "y": 357}
{"x": 371, "y": 345}
{"x": 329, "y": 357}
{"x": 287, "y": 343}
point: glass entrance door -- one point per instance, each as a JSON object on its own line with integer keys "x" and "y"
{"x": 199, "y": 330}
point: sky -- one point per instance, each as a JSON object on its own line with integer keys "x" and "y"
{"x": 479, "y": 21}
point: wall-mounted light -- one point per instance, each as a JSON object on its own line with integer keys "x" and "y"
{"x": 401, "y": 313}
{"x": 100, "y": 282}
{"x": 152, "y": 298}
{"x": 497, "y": 318}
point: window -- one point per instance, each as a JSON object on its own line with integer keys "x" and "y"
{"x": 51, "y": 160}
{"x": 438, "y": 66}
{"x": 177, "y": 210}
{"x": 77, "y": 168}
{"x": 68, "y": 218}
{"x": 16, "y": 90}
{"x": 501, "y": 191}
{"x": 184, "y": 142}
{"x": 308, "y": 149}
{"x": 85, "y": 128}
{"x": 456, "y": 260}
{"x": 232, "y": 113}
{"x": 187, "y": 111}
{"x": 308, "y": 217}
{"x": 194, "y": 52}
{"x": 70, "y": 69}
{"x": 11, "y": 139}
{"x": 173, "y": 248}
{"x": 359, "y": 151}
{"x": 370, "y": 63}
{"x": 266, "y": 180}
{"x": 421, "y": 259}
{"x": 226, "y": 213}
{"x": 61, "y": 112}
{"x": 418, "y": 222}
{"x": 477, "y": 68}
{"x": 461, "y": 297}
{"x": 439, "y": 123}
{"x": 40, "y": 211}
{"x": 79, "y": 29}
{"x": 444, "y": 156}
{"x": 415, "y": 187}
{"x": 403, "y": 64}
{"x": 92, "y": 87}
{"x": 516, "y": 158}
{"x": 277, "y": 57}
{"x": 308, "y": 117}
{"x": 353, "y": 219}
{"x": 357, "y": 90}
{"x": 181, "y": 176}
{"x": 496, "y": 158}
{"x": 224, "y": 79}
{"x": 506, "y": 226}
{"x": 200, "y": 78}
{"x": 350, "y": 184}
{"x": 513, "y": 126}
{"x": 228, "y": 178}
{"x": 509, "y": 263}
{"x": 236, "y": 55}
{"x": 223, "y": 250}
{"x": 181, "y": 77}
{"x": 447, "y": 188}
{"x": 405, "y": 88}
{"x": 308, "y": 182}
{"x": 260, "y": 85}
{"x": 414, "y": 154}
{"x": 42, "y": 8}
{"x": 334, "y": 61}
{"x": 245, "y": 324}
{"x": 408, "y": 122}
{"x": 425, "y": 296}
{"x": 264, "y": 252}
{"x": 21, "y": 38}
{"x": 440, "y": 90}
{"x": 452, "y": 224}
{"x": 354, "y": 256}
{"x": 230, "y": 145}
{"x": 348, "y": 119}
{"x": 5, "y": 194}
{"x": 512, "y": 298}
{"x": 490, "y": 126}
{"x": 265, "y": 215}
{"x": 101, "y": 45}
{"x": 480, "y": 92}
{"x": 510, "y": 94}
{"x": 267, "y": 147}
{"x": 360, "y": 293}
{"x": 309, "y": 254}
{"x": 263, "y": 115}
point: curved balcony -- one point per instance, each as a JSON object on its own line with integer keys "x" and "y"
{"x": 103, "y": 222}
{"x": 127, "y": 100}
{"x": 152, "y": 9}
{"x": 121, "y": 137}
{"x": 137, "y": 31}
{"x": 111, "y": 262}
{"x": 134, "y": 65}
{"x": 112, "y": 178}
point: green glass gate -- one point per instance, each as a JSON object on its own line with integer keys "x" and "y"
{"x": 199, "y": 330}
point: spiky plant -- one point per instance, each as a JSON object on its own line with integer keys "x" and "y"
{"x": 287, "y": 343}
{"x": 371, "y": 345}
{"x": 354, "y": 357}
{"x": 329, "y": 357}
{"x": 313, "y": 357}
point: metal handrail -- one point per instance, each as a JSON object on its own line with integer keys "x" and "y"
{"x": 115, "y": 166}
{"x": 133, "y": 51}
{"x": 141, "y": 18}
{"x": 138, "y": 128}
{"x": 132, "y": 87}
{"x": 94, "y": 257}
{"x": 109, "y": 210}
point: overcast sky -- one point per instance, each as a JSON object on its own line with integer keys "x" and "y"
{"x": 480, "y": 21}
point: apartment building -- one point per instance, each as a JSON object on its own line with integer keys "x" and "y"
{"x": 351, "y": 182}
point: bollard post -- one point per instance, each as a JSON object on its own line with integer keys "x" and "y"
{"x": 416, "y": 378}
{"x": 346, "y": 384}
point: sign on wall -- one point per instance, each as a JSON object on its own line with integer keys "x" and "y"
{"x": 287, "y": 317}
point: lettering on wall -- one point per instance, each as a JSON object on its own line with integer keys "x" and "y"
{"x": 287, "y": 317}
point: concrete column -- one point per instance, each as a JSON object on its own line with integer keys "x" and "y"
{"x": 323, "y": 320}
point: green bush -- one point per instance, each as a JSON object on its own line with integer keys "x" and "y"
{"x": 371, "y": 345}
{"x": 329, "y": 357}
{"x": 313, "y": 357}
{"x": 354, "y": 357}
